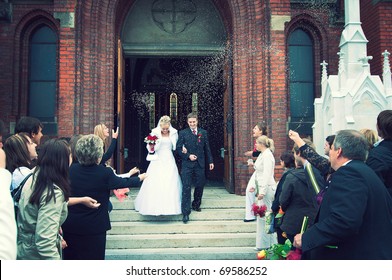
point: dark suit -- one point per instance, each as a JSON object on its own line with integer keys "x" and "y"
{"x": 380, "y": 160}
{"x": 197, "y": 145}
{"x": 85, "y": 228}
{"x": 355, "y": 215}
{"x": 298, "y": 199}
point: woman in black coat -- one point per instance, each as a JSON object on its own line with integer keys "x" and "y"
{"x": 85, "y": 228}
{"x": 298, "y": 197}
{"x": 287, "y": 162}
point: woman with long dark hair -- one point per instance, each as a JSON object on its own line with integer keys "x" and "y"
{"x": 43, "y": 204}
{"x": 21, "y": 157}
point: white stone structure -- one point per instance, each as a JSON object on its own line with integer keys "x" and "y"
{"x": 353, "y": 98}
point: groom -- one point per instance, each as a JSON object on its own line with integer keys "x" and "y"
{"x": 193, "y": 148}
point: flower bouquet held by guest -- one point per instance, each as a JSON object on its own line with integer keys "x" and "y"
{"x": 160, "y": 193}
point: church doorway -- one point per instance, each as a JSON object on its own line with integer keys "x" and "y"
{"x": 173, "y": 86}
{"x": 173, "y": 59}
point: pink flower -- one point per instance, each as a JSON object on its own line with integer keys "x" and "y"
{"x": 121, "y": 194}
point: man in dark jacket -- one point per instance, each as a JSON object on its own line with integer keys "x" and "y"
{"x": 380, "y": 157}
{"x": 194, "y": 149}
{"x": 355, "y": 216}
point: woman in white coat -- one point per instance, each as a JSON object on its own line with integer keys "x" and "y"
{"x": 263, "y": 186}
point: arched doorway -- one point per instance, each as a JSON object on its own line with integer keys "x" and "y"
{"x": 175, "y": 61}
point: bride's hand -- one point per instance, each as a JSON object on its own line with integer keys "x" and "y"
{"x": 184, "y": 150}
{"x": 134, "y": 171}
{"x": 142, "y": 176}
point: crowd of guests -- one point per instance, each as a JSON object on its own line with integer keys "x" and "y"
{"x": 63, "y": 211}
{"x": 345, "y": 194}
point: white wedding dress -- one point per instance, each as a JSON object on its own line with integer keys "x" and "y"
{"x": 160, "y": 193}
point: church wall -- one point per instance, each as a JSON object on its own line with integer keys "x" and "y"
{"x": 377, "y": 32}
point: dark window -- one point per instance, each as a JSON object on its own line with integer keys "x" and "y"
{"x": 301, "y": 82}
{"x": 43, "y": 78}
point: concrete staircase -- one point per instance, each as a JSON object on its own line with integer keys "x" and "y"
{"x": 216, "y": 233}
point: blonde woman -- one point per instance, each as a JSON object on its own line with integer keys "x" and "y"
{"x": 102, "y": 131}
{"x": 370, "y": 135}
{"x": 160, "y": 193}
{"x": 262, "y": 187}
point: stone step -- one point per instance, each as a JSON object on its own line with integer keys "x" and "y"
{"x": 216, "y": 233}
{"x": 201, "y": 253}
{"x": 144, "y": 241}
{"x": 225, "y": 202}
{"x": 174, "y": 227}
{"x": 206, "y": 214}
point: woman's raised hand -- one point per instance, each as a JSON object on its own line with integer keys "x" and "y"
{"x": 296, "y": 138}
{"x": 115, "y": 133}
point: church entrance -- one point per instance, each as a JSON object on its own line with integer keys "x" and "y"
{"x": 173, "y": 86}
{"x": 173, "y": 59}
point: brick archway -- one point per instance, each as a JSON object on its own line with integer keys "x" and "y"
{"x": 248, "y": 23}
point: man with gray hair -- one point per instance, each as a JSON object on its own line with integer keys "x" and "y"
{"x": 355, "y": 216}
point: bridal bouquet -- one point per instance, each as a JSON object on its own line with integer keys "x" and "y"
{"x": 151, "y": 140}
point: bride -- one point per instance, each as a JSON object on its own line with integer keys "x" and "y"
{"x": 160, "y": 193}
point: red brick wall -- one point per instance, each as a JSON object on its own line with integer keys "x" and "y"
{"x": 67, "y": 73}
{"x": 378, "y": 32}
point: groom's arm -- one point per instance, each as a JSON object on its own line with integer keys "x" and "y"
{"x": 180, "y": 144}
{"x": 207, "y": 149}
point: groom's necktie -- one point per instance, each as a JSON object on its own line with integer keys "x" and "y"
{"x": 194, "y": 131}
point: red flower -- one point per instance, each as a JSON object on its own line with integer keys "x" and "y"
{"x": 294, "y": 254}
{"x": 199, "y": 137}
{"x": 259, "y": 210}
{"x": 151, "y": 139}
